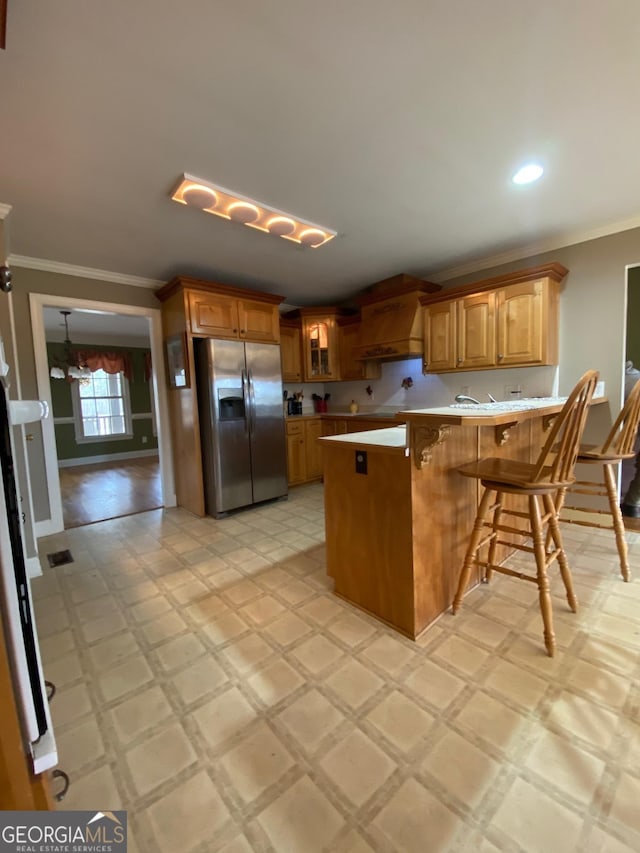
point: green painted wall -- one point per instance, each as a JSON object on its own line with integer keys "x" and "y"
{"x": 140, "y": 404}
{"x": 633, "y": 317}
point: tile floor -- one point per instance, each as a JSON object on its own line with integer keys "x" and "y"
{"x": 211, "y": 684}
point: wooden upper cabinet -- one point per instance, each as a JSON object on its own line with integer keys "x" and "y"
{"x": 440, "y": 351}
{"x": 476, "y": 332}
{"x": 291, "y": 351}
{"x": 213, "y": 315}
{"x": 221, "y": 316}
{"x": 258, "y": 321}
{"x": 513, "y": 325}
{"x": 352, "y": 368}
{"x": 320, "y": 349}
{"x": 525, "y": 333}
{"x": 460, "y": 334}
{"x": 222, "y": 311}
{"x": 320, "y": 359}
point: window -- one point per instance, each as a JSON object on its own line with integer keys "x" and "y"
{"x": 101, "y": 407}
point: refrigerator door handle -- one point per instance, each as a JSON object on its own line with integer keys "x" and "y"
{"x": 247, "y": 400}
{"x": 252, "y": 398}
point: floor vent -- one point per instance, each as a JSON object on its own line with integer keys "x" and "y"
{"x": 59, "y": 558}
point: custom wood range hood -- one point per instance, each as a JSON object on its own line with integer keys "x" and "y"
{"x": 392, "y": 319}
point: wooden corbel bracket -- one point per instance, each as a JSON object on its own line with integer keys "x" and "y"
{"x": 502, "y": 432}
{"x": 424, "y": 439}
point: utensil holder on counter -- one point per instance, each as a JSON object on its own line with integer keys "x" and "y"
{"x": 320, "y": 406}
{"x": 294, "y": 407}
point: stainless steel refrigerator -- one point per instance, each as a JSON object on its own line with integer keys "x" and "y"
{"x": 241, "y": 423}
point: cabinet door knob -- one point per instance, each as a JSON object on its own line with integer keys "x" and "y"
{"x": 500, "y": 355}
{"x": 459, "y": 360}
{"x": 29, "y": 436}
{"x": 235, "y": 331}
{"x": 243, "y": 331}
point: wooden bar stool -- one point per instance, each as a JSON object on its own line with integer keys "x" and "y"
{"x": 617, "y": 446}
{"x": 538, "y": 482}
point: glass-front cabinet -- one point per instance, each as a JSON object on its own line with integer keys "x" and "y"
{"x": 320, "y": 344}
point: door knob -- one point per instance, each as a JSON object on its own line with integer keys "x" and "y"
{"x": 29, "y": 436}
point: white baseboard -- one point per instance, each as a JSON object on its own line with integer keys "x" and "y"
{"x": 46, "y": 527}
{"x": 106, "y": 457}
{"x": 33, "y": 566}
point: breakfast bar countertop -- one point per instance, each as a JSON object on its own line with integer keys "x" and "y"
{"x": 489, "y": 414}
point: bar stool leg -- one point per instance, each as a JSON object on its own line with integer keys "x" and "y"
{"x": 472, "y": 548}
{"x": 491, "y": 557}
{"x": 556, "y": 536}
{"x": 543, "y": 581}
{"x": 618, "y": 524}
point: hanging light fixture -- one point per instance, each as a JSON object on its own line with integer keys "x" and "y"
{"x": 68, "y": 366}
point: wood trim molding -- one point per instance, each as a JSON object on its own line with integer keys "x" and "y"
{"x": 555, "y": 271}
{"x": 424, "y": 439}
{"x": 181, "y": 282}
{"x": 502, "y": 433}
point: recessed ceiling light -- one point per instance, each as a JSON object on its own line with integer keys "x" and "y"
{"x": 527, "y": 174}
{"x": 229, "y": 205}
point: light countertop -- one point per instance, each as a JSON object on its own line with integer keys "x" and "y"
{"x": 389, "y": 439}
{"x": 490, "y": 414}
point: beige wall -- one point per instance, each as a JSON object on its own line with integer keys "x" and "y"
{"x": 592, "y": 321}
{"x": 26, "y": 281}
{"x": 592, "y": 312}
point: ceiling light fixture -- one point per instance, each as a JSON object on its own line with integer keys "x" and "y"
{"x": 527, "y": 174}
{"x": 68, "y": 366}
{"x": 229, "y": 205}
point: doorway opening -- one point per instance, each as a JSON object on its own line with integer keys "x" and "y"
{"x": 87, "y": 479}
{"x": 630, "y": 469}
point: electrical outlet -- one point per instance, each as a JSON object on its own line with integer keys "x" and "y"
{"x": 144, "y": 439}
{"x": 513, "y": 392}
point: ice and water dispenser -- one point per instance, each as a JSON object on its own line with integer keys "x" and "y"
{"x": 230, "y": 404}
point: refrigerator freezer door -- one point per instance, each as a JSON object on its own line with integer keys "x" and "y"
{"x": 224, "y": 424}
{"x": 266, "y": 421}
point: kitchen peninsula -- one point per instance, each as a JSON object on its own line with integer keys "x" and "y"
{"x": 398, "y": 515}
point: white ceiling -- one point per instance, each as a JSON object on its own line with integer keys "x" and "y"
{"x": 396, "y": 124}
{"x": 92, "y": 328}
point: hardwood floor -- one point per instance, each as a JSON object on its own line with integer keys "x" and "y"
{"x": 93, "y": 493}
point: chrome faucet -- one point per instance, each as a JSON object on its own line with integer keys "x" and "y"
{"x": 463, "y": 398}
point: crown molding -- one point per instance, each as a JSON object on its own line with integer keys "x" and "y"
{"x": 5, "y": 210}
{"x": 83, "y": 272}
{"x": 560, "y": 241}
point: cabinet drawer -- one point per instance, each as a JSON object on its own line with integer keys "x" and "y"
{"x": 295, "y": 427}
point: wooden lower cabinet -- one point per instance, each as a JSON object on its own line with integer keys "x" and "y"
{"x": 334, "y": 426}
{"x": 304, "y": 456}
{"x": 341, "y": 425}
